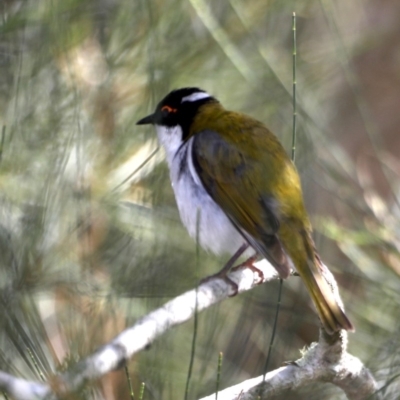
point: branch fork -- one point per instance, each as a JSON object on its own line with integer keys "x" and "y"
{"x": 326, "y": 360}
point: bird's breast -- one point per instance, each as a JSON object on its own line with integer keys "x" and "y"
{"x": 215, "y": 231}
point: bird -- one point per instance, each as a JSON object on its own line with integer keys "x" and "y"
{"x": 239, "y": 193}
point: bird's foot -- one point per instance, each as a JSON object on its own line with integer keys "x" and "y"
{"x": 249, "y": 263}
{"x": 223, "y": 275}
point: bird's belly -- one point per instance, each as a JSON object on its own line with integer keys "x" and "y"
{"x": 215, "y": 231}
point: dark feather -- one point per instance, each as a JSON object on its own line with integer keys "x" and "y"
{"x": 254, "y": 213}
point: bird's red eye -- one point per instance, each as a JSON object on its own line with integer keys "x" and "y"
{"x": 169, "y": 109}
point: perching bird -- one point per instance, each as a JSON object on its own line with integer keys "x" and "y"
{"x": 236, "y": 188}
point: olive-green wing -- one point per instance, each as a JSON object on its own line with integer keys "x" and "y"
{"x": 238, "y": 182}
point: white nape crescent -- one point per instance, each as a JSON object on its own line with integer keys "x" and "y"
{"x": 195, "y": 96}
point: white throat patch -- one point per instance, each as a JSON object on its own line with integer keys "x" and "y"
{"x": 171, "y": 139}
{"x": 195, "y": 96}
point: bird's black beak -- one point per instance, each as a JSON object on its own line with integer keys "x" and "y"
{"x": 146, "y": 120}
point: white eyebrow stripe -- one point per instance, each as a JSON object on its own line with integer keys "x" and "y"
{"x": 195, "y": 96}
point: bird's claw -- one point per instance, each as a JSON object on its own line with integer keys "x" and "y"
{"x": 249, "y": 264}
{"x": 222, "y": 275}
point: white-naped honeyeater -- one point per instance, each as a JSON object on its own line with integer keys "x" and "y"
{"x": 232, "y": 169}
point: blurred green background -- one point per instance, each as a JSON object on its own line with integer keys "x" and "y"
{"x": 90, "y": 238}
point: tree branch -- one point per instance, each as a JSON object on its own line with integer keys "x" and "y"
{"x": 319, "y": 363}
{"x": 325, "y": 361}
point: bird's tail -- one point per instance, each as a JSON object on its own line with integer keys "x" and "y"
{"x": 324, "y": 295}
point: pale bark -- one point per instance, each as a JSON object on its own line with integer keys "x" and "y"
{"x": 325, "y": 361}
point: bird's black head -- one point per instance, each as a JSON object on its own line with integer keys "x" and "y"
{"x": 179, "y": 107}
